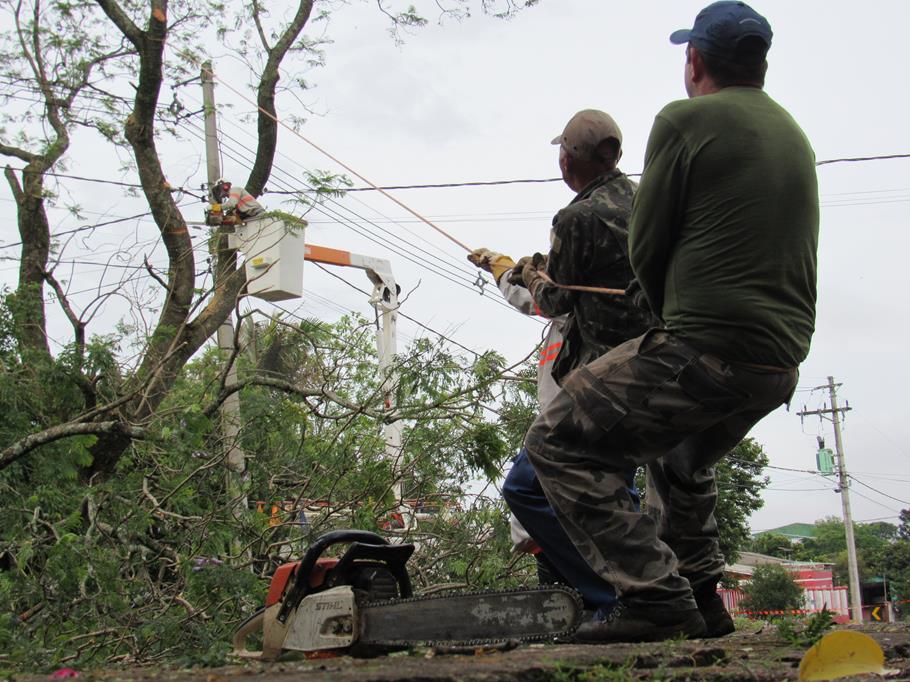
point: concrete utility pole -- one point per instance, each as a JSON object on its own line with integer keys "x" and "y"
{"x": 856, "y": 605}
{"x": 230, "y": 409}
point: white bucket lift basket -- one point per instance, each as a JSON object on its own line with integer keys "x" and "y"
{"x": 274, "y": 253}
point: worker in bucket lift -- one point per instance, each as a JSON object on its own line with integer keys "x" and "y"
{"x": 588, "y": 241}
{"x": 236, "y": 202}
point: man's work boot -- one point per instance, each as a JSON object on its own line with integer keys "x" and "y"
{"x": 718, "y": 620}
{"x": 635, "y": 623}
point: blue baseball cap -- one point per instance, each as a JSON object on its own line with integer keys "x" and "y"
{"x": 720, "y": 27}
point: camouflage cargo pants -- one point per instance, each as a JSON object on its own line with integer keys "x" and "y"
{"x": 659, "y": 402}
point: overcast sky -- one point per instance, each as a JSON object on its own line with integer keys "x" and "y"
{"x": 481, "y": 99}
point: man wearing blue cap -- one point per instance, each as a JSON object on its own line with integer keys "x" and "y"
{"x": 722, "y": 240}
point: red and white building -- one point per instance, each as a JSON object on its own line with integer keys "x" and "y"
{"x": 816, "y": 579}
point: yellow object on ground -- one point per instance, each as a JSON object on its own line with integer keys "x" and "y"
{"x": 842, "y": 653}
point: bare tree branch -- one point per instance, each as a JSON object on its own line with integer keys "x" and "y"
{"x": 116, "y": 14}
{"x": 75, "y": 321}
{"x": 267, "y": 127}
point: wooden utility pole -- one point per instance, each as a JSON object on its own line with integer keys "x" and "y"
{"x": 235, "y": 460}
{"x": 834, "y": 413}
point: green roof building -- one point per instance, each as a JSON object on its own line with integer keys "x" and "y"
{"x": 794, "y": 531}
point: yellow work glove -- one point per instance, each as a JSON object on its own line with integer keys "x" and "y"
{"x": 495, "y": 263}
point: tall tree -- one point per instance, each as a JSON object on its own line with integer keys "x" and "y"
{"x": 64, "y": 55}
{"x": 52, "y": 57}
{"x": 113, "y": 526}
{"x": 740, "y": 480}
{"x": 772, "y": 544}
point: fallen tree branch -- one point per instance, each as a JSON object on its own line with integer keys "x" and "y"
{"x": 287, "y": 387}
{"x": 23, "y": 446}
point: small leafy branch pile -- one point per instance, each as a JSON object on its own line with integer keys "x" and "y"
{"x": 156, "y": 561}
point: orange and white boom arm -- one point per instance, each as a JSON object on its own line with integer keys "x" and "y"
{"x": 385, "y": 300}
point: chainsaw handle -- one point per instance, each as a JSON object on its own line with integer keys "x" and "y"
{"x": 302, "y": 575}
{"x": 244, "y": 630}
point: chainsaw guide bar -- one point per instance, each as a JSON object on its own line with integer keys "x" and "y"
{"x": 472, "y": 618}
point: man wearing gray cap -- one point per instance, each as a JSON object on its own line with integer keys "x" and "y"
{"x": 588, "y": 249}
{"x": 722, "y": 240}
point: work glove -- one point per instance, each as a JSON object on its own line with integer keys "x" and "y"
{"x": 636, "y": 294}
{"x": 515, "y": 275}
{"x": 530, "y": 273}
{"x": 495, "y": 263}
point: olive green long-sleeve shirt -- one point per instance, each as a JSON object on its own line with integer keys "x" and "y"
{"x": 724, "y": 228}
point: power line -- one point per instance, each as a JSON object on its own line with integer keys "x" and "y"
{"x": 407, "y": 317}
{"x": 246, "y": 132}
{"x": 857, "y": 159}
{"x": 86, "y": 227}
{"x": 102, "y": 181}
{"x": 315, "y": 146}
{"x": 362, "y": 230}
{"x": 874, "y": 501}
{"x": 492, "y": 183}
{"x": 441, "y": 185}
{"x": 361, "y": 221}
{"x": 771, "y": 466}
{"x": 368, "y": 234}
{"x": 875, "y": 490}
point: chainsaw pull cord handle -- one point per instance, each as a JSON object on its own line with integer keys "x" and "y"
{"x": 302, "y": 576}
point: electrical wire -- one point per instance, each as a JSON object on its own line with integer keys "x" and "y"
{"x": 296, "y": 132}
{"x": 493, "y": 183}
{"x": 340, "y": 218}
{"x": 771, "y": 466}
{"x": 407, "y": 317}
{"x": 874, "y": 501}
{"x": 857, "y": 159}
{"x": 86, "y": 227}
{"x": 875, "y": 490}
{"x": 365, "y": 232}
{"x": 332, "y": 208}
{"x": 245, "y": 131}
{"x": 277, "y": 170}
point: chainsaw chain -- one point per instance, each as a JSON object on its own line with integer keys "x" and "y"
{"x": 576, "y": 597}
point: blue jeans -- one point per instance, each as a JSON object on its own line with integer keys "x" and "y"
{"x": 526, "y": 499}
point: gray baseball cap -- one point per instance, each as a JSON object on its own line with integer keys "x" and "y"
{"x": 585, "y": 131}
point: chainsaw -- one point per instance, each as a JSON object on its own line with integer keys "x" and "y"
{"x": 363, "y": 604}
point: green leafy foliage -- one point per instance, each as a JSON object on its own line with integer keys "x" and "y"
{"x": 740, "y": 480}
{"x": 894, "y": 565}
{"x": 159, "y": 562}
{"x": 772, "y": 589}
{"x": 805, "y": 632}
{"x": 874, "y": 543}
{"x": 772, "y": 544}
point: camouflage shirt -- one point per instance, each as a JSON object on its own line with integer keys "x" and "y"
{"x": 589, "y": 246}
